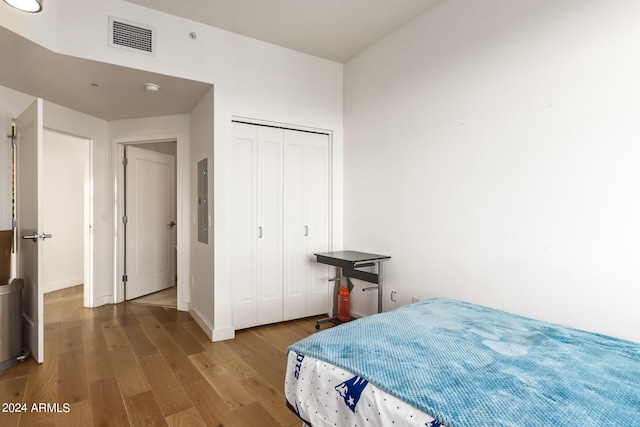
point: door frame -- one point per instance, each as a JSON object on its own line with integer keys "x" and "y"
{"x": 182, "y": 213}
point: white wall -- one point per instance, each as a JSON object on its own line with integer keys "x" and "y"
{"x": 252, "y": 79}
{"x": 491, "y": 148}
{"x": 202, "y": 269}
{"x": 65, "y": 159}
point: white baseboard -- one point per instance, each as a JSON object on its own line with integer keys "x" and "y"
{"x": 98, "y": 302}
{"x": 62, "y": 284}
{"x": 204, "y": 325}
{"x": 222, "y": 334}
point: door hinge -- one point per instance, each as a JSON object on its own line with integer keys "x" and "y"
{"x": 125, "y": 220}
{"x": 124, "y": 278}
{"x": 125, "y": 161}
{"x": 12, "y": 135}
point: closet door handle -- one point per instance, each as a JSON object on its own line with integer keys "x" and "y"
{"x": 259, "y": 232}
{"x": 306, "y": 230}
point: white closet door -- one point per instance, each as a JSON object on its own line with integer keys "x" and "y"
{"x": 245, "y": 305}
{"x": 306, "y": 216}
{"x": 257, "y": 293}
{"x": 317, "y": 168}
{"x": 269, "y": 280}
{"x": 295, "y": 241}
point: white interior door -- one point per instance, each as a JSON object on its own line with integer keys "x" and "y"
{"x": 29, "y": 129}
{"x": 150, "y": 248}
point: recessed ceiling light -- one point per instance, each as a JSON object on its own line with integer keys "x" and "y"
{"x": 151, "y": 87}
{"x": 26, "y": 5}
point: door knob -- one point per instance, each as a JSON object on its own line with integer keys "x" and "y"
{"x": 172, "y": 224}
{"x": 35, "y": 236}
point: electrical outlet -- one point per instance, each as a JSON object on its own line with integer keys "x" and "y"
{"x": 415, "y": 299}
{"x": 394, "y": 296}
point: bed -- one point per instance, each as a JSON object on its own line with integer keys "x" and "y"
{"x": 449, "y": 363}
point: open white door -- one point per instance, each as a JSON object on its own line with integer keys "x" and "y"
{"x": 29, "y": 130}
{"x": 150, "y": 249}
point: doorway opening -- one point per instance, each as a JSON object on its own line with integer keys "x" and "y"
{"x": 66, "y": 210}
{"x": 147, "y": 221}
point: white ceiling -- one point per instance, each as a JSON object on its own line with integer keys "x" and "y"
{"x": 67, "y": 81}
{"x": 331, "y": 29}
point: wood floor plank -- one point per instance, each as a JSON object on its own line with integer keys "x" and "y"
{"x": 152, "y": 328}
{"x": 189, "y": 418}
{"x": 131, "y": 378}
{"x": 210, "y": 406}
{"x": 247, "y": 416}
{"x": 196, "y": 332}
{"x": 107, "y": 405}
{"x": 272, "y": 399}
{"x": 143, "y": 410}
{"x": 12, "y": 391}
{"x": 52, "y": 331}
{"x": 162, "y": 314}
{"x": 72, "y": 377}
{"x": 91, "y": 329}
{"x": 188, "y": 344}
{"x": 169, "y": 394}
{"x": 79, "y": 414}
{"x": 71, "y": 339}
{"x": 140, "y": 343}
{"x": 233, "y": 394}
{"x": 177, "y": 360}
{"x": 19, "y": 370}
{"x": 271, "y": 366}
{"x": 232, "y": 362}
{"x": 97, "y": 359}
{"x": 42, "y": 386}
{"x": 115, "y": 335}
{"x": 126, "y": 315}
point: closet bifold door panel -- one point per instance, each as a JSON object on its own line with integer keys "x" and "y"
{"x": 306, "y": 223}
{"x": 258, "y": 257}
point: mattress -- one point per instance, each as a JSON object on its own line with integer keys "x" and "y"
{"x": 330, "y": 396}
{"x": 466, "y": 365}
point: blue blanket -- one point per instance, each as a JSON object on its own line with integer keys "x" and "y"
{"x": 468, "y": 365}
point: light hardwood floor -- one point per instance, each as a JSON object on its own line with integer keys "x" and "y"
{"x": 133, "y": 364}
{"x": 165, "y": 298}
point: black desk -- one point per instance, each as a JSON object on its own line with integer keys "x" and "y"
{"x": 348, "y": 263}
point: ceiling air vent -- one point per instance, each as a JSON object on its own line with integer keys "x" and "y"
{"x": 132, "y": 36}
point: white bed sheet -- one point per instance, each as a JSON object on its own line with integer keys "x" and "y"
{"x": 326, "y": 395}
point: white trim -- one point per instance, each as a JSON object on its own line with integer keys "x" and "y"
{"x": 291, "y": 126}
{"x": 63, "y": 284}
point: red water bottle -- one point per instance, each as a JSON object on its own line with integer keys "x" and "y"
{"x": 344, "y": 304}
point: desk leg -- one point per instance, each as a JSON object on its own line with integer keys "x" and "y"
{"x": 380, "y": 293}
{"x": 333, "y": 315}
